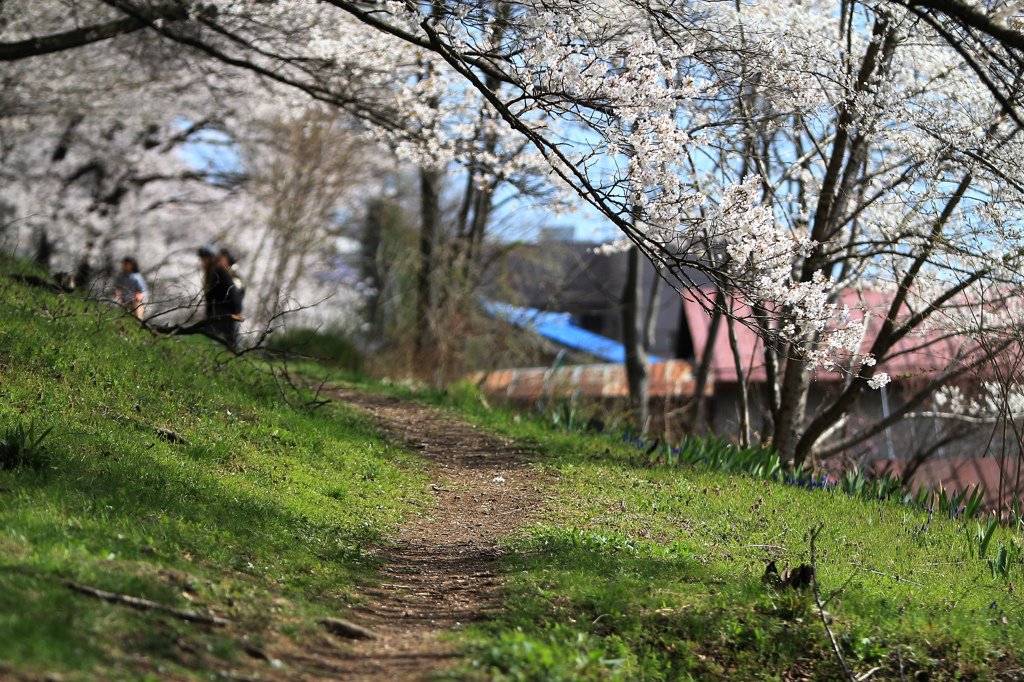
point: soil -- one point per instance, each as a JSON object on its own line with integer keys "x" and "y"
{"x": 439, "y": 570}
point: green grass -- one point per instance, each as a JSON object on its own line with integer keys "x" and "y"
{"x": 331, "y": 348}
{"x": 265, "y": 515}
{"x": 654, "y": 573}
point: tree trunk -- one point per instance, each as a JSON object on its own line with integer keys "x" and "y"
{"x": 632, "y": 337}
{"x": 741, "y": 382}
{"x": 771, "y": 370}
{"x": 704, "y": 368}
{"x": 788, "y": 432}
{"x": 651, "y": 320}
{"x": 369, "y": 270}
{"x": 44, "y": 250}
{"x": 430, "y": 222}
{"x": 789, "y": 424}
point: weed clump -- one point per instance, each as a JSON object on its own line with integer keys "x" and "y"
{"x": 22, "y": 448}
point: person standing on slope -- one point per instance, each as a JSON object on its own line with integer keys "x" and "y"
{"x": 129, "y": 287}
{"x": 226, "y": 261}
{"x": 223, "y": 301}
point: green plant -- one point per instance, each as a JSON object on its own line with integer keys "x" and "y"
{"x": 867, "y": 650}
{"x": 1008, "y": 556}
{"x": 22, "y": 448}
{"x": 982, "y": 536}
{"x": 718, "y": 455}
{"x": 565, "y": 416}
{"x": 974, "y": 502}
{"x": 562, "y": 655}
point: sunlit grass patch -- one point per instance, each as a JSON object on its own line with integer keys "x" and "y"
{"x": 172, "y": 473}
{"x": 660, "y": 570}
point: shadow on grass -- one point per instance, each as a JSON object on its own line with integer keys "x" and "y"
{"x": 87, "y": 506}
{"x": 118, "y": 525}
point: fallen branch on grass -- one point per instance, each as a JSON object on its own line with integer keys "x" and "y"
{"x": 117, "y": 598}
{"x": 62, "y": 286}
{"x": 886, "y": 575}
{"x": 143, "y": 604}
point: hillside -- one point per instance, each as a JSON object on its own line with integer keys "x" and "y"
{"x": 266, "y": 515}
{"x": 490, "y": 544}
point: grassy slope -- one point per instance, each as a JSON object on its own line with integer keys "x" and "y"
{"x": 629, "y": 571}
{"x": 655, "y": 574}
{"x": 264, "y": 516}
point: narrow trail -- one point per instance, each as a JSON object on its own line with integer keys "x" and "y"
{"x": 439, "y": 575}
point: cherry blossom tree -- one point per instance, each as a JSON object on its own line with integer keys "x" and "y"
{"x": 91, "y": 151}
{"x": 93, "y": 161}
{"x": 896, "y": 173}
{"x": 899, "y": 173}
{"x": 789, "y": 151}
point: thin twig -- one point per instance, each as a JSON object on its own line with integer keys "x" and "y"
{"x": 316, "y": 402}
{"x": 918, "y": 570}
{"x": 280, "y": 388}
{"x": 821, "y": 610}
{"x": 886, "y": 575}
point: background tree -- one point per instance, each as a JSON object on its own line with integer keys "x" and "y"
{"x": 865, "y": 178}
{"x": 306, "y": 174}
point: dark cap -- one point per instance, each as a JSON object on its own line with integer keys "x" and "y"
{"x": 206, "y": 252}
{"x": 230, "y": 256}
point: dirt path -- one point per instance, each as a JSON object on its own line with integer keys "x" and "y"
{"x": 439, "y": 575}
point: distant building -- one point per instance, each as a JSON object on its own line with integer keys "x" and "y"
{"x": 557, "y": 234}
{"x": 570, "y": 278}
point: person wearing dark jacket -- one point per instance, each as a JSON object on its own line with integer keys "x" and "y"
{"x": 223, "y": 300}
{"x": 227, "y": 260}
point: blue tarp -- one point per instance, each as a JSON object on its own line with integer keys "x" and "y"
{"x": 560, "y": 328}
